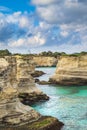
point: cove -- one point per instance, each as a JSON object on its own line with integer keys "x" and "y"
{"x": 68, "y": 104}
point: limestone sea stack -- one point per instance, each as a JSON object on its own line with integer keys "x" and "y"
{"x": 28, "y": 92}
{"x": 71, "y": 70}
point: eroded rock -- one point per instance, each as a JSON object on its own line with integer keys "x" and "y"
{"x": 32, "y": 98}
{"x": 71, "y": 70}
{"x": 37, "y": 73}
{"x": 17, "y": 84}
{"x": 12, "y": 111}
{"x": 43, "y": 123}
{"x": 45, "y": 61}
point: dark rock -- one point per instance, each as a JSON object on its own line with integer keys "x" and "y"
{"x": 70, "y": 82}
{"x": 1, "y": 89}
{"x": 37, "y": 80}
{"x": 46, "y": 123}
{"x": 43, "y": 123}
{"x": 32, "y": 98}
{"x": 37, "y": 73}
{"x": 43, "y": 82}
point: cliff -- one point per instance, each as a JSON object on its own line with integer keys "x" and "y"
{"x": 71, "y": 70}
{"x": 45, "y": 61}
{"x": 17, "y": 88}
{"x": 12, "y": 111}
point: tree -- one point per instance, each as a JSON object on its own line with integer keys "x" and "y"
{"x": 5, "y": 52}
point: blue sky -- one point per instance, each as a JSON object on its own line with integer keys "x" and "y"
{"x": 43, "y": 25}
{"x": 18, "y": 5}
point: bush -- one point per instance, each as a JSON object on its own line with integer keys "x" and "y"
{"x": 4, "y": 52}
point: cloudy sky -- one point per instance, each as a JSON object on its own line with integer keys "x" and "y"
{"x": 42, "y": 25}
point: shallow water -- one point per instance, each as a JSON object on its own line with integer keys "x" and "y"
{"x": 68, "y": 104}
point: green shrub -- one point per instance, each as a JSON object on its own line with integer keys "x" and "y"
{"x": 5, "y": 52}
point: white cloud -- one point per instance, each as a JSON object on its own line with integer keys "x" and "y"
{"x": 64, "y": 33}
{"x": 60, "y": 12}
{"x": 17, "y": 43}
{"x": 33, "y": 41}
{"x": 44, "y": 2}
{"x": 62, "y": 25}
{"x": 72, "y": 48}
{"x": 24, "y": 22}
{"x": 36, "y": 40}
{"x": 18, "y": 18}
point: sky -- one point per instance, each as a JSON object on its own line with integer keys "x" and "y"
{"x": 43, "y": 25}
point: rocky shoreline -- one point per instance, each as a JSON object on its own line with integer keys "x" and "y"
{"x": 17, "y": 88}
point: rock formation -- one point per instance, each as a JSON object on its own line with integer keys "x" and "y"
{"x": 12, "y": 111}
{"x": 45, "y": 61}
{"x": 16, "y": 87}
{"x": 71, "y": 70}
{"x": 37, "y": 73}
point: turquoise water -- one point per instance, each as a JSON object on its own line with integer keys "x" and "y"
{"x": 68, "y": 104}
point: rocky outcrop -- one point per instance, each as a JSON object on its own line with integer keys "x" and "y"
{"x": 42, "y": 82}
{"x": 17, "y": 87}
{"x": 12, "y": 111}
{"x": 71, "y": 70}
{"x": 32, "y": 98}
{"x": 45, "y": 61}
{"x": 26, "y": 83}
{"x": 28, "y": 92}
{"x": 43, "y": 123}
{"x": 37, "y": 73}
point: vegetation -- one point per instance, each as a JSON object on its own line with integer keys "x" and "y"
{"x": 5, "y": 52}
{"x": 40, "y": 124}
{"x": 53, "y": 54}
{"x": 57, "y": 54}
{"x": 48, "y": 53}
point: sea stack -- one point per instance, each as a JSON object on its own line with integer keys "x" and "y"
{"x": 71, "y": 70}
